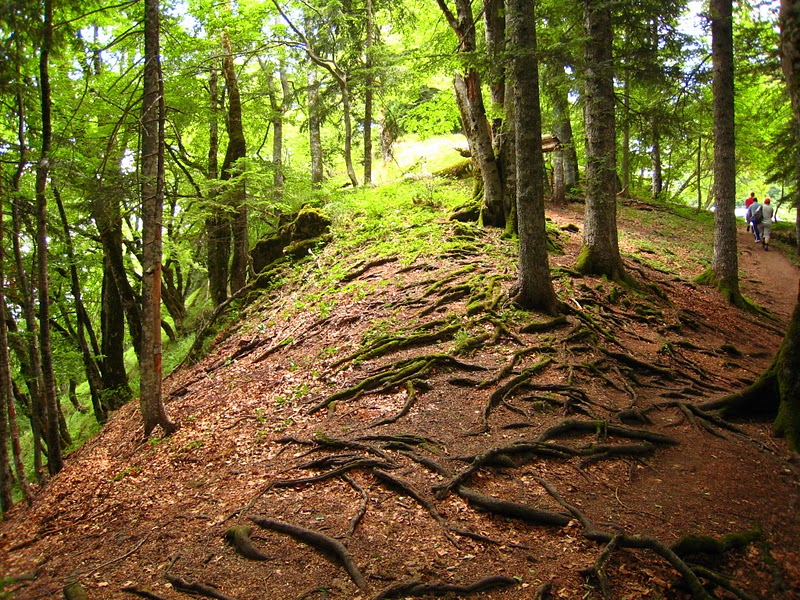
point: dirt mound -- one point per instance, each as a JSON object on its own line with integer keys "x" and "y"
{"x": 412, "y": 435}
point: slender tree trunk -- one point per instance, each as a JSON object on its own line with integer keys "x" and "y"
{"x": 655, "y": 153}
{"x": 279, "y": 110}
{"x": 725, "y": 263}
{"x": 218, "y": 227}
{"x": 473, "y": 114}
{"x": 237, "y": 150}
{"x": 152, "y": 169}
{"x": 536, "y": 288}
{"x": 52, "y": 433}
{"x": 369, "y": 84}
{"x": 625, "y": 166}
{"x": 315, "y": 138}
{"x": 90, "y": 365}
{"x": 6, "y": 397}
{"x": 600, "y": 253}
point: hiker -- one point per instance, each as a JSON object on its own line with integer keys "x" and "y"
{"x": 754, "y": 217}
{"x": 750, "y": 199}
{"x": 765, "y": 227}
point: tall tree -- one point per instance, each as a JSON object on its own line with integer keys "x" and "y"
{"x": 231, "y": 168}
{"x": 52, "y": 412}
{"x": 469, "y": 98}
{"x": 152, "y": 170}
{"x": 724, "y": 272}
{"x": 536, "y": 288}
{"x": 600, "y": 252}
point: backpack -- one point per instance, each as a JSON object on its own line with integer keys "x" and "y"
{"x": 757, "y": 216}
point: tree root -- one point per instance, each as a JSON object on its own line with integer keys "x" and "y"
{"x": 238, "y": 536}
{"x": 411, "y": 399}
{"x": 401, "y": 484}
{"x": 632, "y": 541}
{"x": 604, "y": 428}
{"x": 514, "y": 510}
{"x": 394, "y": 375}
{"x": 362, "y": 463}
{"x": 141, "y": 592}
{"x": 559, "y": 321}
{"x": 362, "y": 267}
{"x": 327, "y": 545}
{"x": 194, "y": 587}
{"x": 416, "y": 588}
{"x": 387, "y": 344}
{"x": 690, "y": 545}
{"x": 500, "y": 393}
{"x": 362, "y": 509}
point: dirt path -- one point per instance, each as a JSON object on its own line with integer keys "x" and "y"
{"x": 770, "y": 279}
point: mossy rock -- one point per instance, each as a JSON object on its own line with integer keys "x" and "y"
{"x": 308, "y": 228}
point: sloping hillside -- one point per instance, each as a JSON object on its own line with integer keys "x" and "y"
{"x": 385, "y": 424}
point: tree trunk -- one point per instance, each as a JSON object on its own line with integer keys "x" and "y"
{"x": 369, "y": 84}
{"x": 116, "y": 390}
{"x": 315, "y": 138}
{"x": 536, "y": 288}
{"x": 566, "y": 159}
{"x": 625, "y": 166}
{"x": 600, "y": 253}
{"x": 473, "y": 114}
{"x": 655, "y": 154}
{"x": 6, "y": 397}
{"x": 218, "y": 227}
{"x": 152, "y": 169}
{"x": 82, "y": 322}
{"x": 237, "y": 150}
{"x": 725, "y": 264}
{"x": 51, "y": 413}
{"x": 279, "y": 110}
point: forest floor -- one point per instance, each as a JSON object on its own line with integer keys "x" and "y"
{"x": 476, "y": 450}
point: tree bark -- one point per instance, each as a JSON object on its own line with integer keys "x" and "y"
{"x": 536, "y": 288}
{"x": 600, "y": 253}
{"x": 725, "y": 263}
{"x": 152, "y": 170}
{"x": 369, "y": 84}
{"x": 218, "y": 227}
{"x": 51, "y": 412}
{"x": 655, "y": 154}
{"x": 237, "y": 150}
{"x": 315, "y": 138}
{"x": 473, "y": 114}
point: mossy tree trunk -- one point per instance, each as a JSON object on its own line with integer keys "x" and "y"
{"x": 725, "y": 264}
{"x": 536, "y": 287}
{"x": 600, "y": 253}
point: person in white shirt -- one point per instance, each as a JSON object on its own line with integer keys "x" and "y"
{"x": 765, "y": 227}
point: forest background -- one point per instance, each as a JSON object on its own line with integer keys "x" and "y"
{"x": 271, "y": 106}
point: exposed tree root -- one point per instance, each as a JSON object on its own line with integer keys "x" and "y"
{"x": 362, "y": 509}
{"x": 603, "y": 428}
{"x": 392, "y": 343}
{"x": 141, "y": 592}
{"x": 362, "y": 267}
{"x": 411, "y": 399}
{"x": 504, "y": 390}
{"x": 193, "y": 587}
{"x": 360, "y": 463}
{"x": 409, "y": 489}
{"x": 515, "y": 510}
{"x": 559, "y": 321}
{"x": 633, "y": 541}
{"x": 74, "y": 591}
{"x": 394, "y": 375}
{"x": 690, "y": 545}
{"x": 238, "y": 536}
{"x": 327, "y": 545}
{"x": 416, "y": 588}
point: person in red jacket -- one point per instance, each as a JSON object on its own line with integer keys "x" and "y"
{"x": 750, "y": 199}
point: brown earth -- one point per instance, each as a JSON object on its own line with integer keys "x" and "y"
{"x": 125, "y": 514}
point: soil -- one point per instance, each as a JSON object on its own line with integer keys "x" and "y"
{"x": 128, "y": 517}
